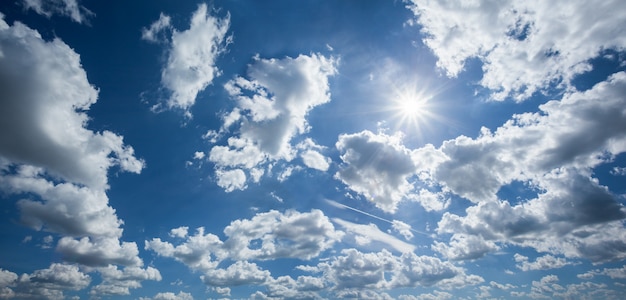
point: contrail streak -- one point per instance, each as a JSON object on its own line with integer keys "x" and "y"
{"x": 339, "y": 205}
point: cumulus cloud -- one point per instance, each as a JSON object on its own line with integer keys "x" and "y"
{"x": 275, "y": 235}
{"x": 99, "y": 251}
{"x": 192, "y": 53}
{"x": 271, "y": 109}
{"x": 377, "y": 166}
{"x": 541, "y": 263}
{"x": 171, "y": 296}
{"x": 119, "y": 282}
{"x": 525, "y": 47}
{"x": 44, "y": 283}
{"x": 382, "y": 270}
{"x": 554, "y": 152}
{"x": 41, "y": 113}
{"x": 49, "y": 155}
{"x": 198, "y": 252}
{"x": 239, "y": 273}
{"x": 290, "y": 234}
{"x": 402, "y": 228}
{"x": 67, "y": 8}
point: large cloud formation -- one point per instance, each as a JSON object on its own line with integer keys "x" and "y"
{"x": 525, "y": 46}
{"x": 271, "y": 109}
{"x": 48, "y": 154}
{"x": 191, "y": 55}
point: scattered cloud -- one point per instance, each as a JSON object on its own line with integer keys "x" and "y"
{"x": 44, "y": 283}
{"x": 68, "y": 8}
{"x": 119, "y": 282}
{"x": 382, "y": 270}
{"x": 271, "y": 110}
{"x": 192, "y": 53}
{"x": 524, "y": 46}
{"x": 541, "y": 263}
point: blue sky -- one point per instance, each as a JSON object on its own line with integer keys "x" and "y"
{"x": 312, "y": 149}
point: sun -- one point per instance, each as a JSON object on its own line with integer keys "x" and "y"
{"x": 410, "y": 108}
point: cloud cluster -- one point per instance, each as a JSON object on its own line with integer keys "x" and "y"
{"x": 525, "y": 46}
{"x": 44, "y": 283}
{"x": 274, "y": 235}
{"x": 191, "y": 55}
{"x": 48, "y": 154}
{"x": 268, "y": 235}
{"x": 554, "y": 151}
{"x": 271, "y": 109}
{"x": 355, "y": 270}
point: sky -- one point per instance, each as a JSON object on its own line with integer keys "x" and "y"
{"x": 312, "y": 149}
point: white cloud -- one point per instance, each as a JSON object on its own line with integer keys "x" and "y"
{"x": 382, "y": 270}
{"x": 525, "y": 46}
{"x": 159, "y": 26}
{"x": 44, "y": 283}
{"x": 171, "y": 296}
{"x": 239, "y": 273}
{"x": 290, "y": 234}
{"x": 68, "y": 8}
{"x": 402, "y": 228}
{"x": 541, "y": 263}
{"x": 553, "y": 152}
{"x": 463, "y": 246}
{"x": 377, "y": 166}
{"x": 613, "y": 273}
{"x": 231, "y": 180}
{"x": 315, "y": 160}
{"x": 198, "y": 155}
{"x": 198, "y": 252}
{"x": 119, "y": 282}
{"x": 272, "y": 106}
{"x": 99, "y": 251}
{"x": 192, "y": 53}
{"x": 180, "y": 232}
{"x": 47, "y": 97}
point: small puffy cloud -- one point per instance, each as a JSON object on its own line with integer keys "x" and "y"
{"x": 315, "y": 160}
{"x": 44, "y": 283}
{"x": 541, "y": 263}
{"x": 68, "y": 8}
{"x": 402, "y": 228}
{"x": 463, "y": 247}
{"x": 198, "y": 155}
{"x": 231, "y": 180}
{"x": 377, "y": 166}
{"x": 180, "y": 232}
{"x": 382, "y": 270}
{"x": 198, "y": 251}
{"x": 524, "y": 46}
{"x": 289, "y": 234}
{"x": 239, "y": 273}
{"x": 613, "y": 273}
{"x": 271, "y": 109}
{"x": 192, "y": 53}
{"x": 171, "y": 296}
{"x": 119, "y": 282}
{"x": 99, "y": 251}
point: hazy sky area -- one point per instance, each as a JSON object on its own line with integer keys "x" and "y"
{"x": 236, "y": 149}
